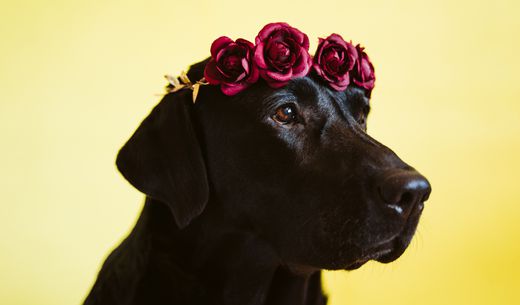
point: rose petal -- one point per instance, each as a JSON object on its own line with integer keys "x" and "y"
{"x": 370, "y": 84}
{"x": 211, "y": 73}
{"x": 233, "y": 88}
{"x": 338, "y": 87}
{"x": 337, "y": 39}
{"x": 363, "y": 73}
{"x": 222, "y": 73}
{"x": 254, "y": 74}
{"x": 245, "y": 64}
{"x": 245, "y": 43}
{"x": 279, "y": 77}
{"x": 334, "y": 59}
{"x": 268, "y": 29}
{"x": 303, "y": 64}
{"x": 231, "y": 65}
{"x": 259, "y": 56}
{"x": 353, "y": 56}
{"x": 317, "y": 68}
{"x": 281, "y": 53}
{"x": 240, "y": 77}
{"x": 300, "y": 37}
{"x": 219, "y": 44}
{"x": 342, "y": 83}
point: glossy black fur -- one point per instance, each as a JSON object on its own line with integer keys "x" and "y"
{"x": 242, "y": 210}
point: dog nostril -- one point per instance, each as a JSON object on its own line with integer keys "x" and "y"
{"x": 402, "y": 190}
{"x": 427, "y": 193}
{"x": 425, "y": 197}
{"x": 406, "y": 199}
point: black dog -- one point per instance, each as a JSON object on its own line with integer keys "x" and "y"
{"x": 250, "y": 196}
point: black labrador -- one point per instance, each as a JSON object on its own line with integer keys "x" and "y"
{"x": 249, "y": 197}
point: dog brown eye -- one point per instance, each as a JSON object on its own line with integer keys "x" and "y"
{"x": 285, "y": 114}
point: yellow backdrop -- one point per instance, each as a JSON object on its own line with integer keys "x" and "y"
{"x": 76, "y": 78}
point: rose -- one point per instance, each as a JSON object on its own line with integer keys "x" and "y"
{"x": 333, "y": 61}
{"x": 281, "y": 53}
{"x": 363, "y": 73}
{"x": 231, "y": 65}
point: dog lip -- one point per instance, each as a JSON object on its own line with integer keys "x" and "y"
{"x": 374, "y": 254}
{"x": 392, "y": 247}
{"x": 380, "y": 251}
{"x": 400, "y": 242}
{"x": 355, "y": 265}
{"x": 393, "y": 254}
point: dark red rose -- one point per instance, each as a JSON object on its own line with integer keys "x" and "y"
{"x": 363, "y": 73}
{"x": 282, "y": 53}
{"x": 333, "y": 61}
{"x": 231, "y": 65}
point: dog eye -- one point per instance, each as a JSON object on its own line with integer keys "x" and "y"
{"x": 361, "y": 116}
{"x": 361, "y": 119}
{"x": 285, "y": 114}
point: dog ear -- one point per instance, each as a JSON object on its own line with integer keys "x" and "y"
{"x": 163, "y": 159}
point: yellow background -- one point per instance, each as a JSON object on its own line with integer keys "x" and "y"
{"x": 76, "y": 78}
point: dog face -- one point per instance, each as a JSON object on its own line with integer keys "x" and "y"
{"x": 294, "y": 166}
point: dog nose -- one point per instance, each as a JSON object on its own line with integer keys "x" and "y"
{"x": 402, "y": 190}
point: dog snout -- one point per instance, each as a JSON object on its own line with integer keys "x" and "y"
{"x": 403, "y": 190}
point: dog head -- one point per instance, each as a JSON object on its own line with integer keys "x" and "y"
{"x": 293, "y": 166}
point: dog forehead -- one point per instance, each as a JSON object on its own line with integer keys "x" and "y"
{"x": 309, "y": 92}
{"x": 319, "y": 97}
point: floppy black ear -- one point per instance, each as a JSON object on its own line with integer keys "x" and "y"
{"x": 163, "y": 158}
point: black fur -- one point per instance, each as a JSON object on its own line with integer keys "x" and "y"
{"x": 243, "y": 210}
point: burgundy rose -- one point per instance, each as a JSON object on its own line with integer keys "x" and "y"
{"x": 231, "y": 65}
{"x": 282, "y": 53}
{"x": 333, "y": 61}
{"x": 363, "y": 73}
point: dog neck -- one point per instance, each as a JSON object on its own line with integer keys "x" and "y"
{"x": 161, "y": 264}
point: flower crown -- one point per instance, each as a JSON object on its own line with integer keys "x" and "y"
{"x": 281, "y": 53}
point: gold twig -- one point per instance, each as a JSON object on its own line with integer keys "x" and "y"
{"x": 181, "y": 82}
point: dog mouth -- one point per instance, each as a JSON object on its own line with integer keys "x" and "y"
{"x": 390, "y": 250}
{"x": 384, "y": 253}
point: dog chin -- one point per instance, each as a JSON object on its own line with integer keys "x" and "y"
{"x": 398, "y": 245}
{"x": 376, "y": 254}
{"x": 384, "y": 255}
{"x": 398, "y": 248}
{"x": 388, "y": 251}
